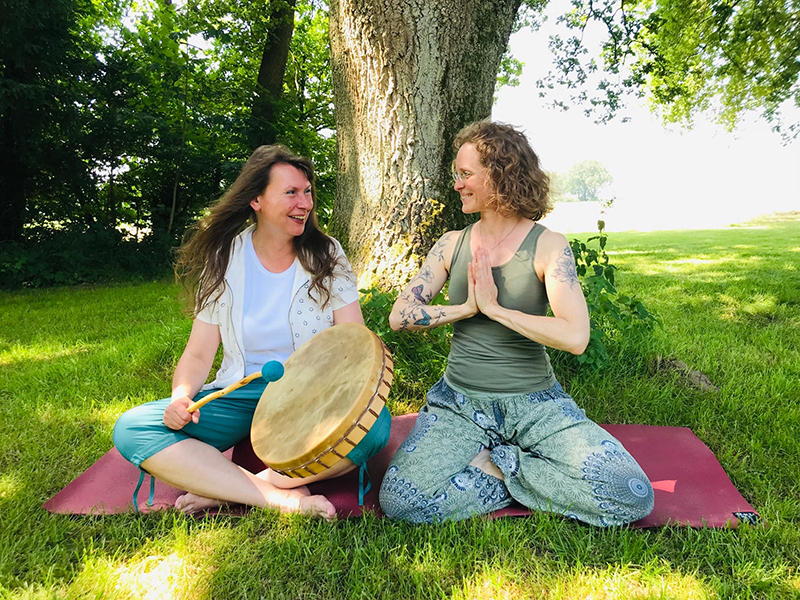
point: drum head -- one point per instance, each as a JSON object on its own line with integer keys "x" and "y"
{"x": 327, "y": 384}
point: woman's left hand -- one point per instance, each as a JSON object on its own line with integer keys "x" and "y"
{"x": 485, "y": 288}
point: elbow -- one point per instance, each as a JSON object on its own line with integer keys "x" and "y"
{"x": 580, "y": 343}
{"x": 394, "y": 321}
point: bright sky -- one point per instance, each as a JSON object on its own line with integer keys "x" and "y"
{"x": 663, "y": 179}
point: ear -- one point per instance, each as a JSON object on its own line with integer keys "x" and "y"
{"x": 255, "y": 203}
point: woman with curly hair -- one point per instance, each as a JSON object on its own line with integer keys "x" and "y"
{"x": 262, "y": 280}
{"x": 498, "y": 426}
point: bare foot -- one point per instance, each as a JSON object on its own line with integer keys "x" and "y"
{"x": 192, "y": 503}
{"x": 317, "y": 506}
{"x": 484, "y": 462}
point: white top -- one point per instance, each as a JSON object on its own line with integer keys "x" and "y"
{"x": 266, "y": 334}
{"x": 307, "y": 316}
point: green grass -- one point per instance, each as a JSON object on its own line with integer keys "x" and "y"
{"x": 72, "y": 359}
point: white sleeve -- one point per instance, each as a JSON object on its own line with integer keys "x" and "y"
{"x": 209, "y": 313}
{"x": 344, "y": 289}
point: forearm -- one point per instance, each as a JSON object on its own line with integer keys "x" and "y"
{"x": 553, "y": 332}
{"x": 413, "y": 317}
{"x": 190, "y": 375}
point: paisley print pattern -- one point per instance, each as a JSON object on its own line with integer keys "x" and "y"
{"x": 443, "y": 395}
{"x": 506, "y": 460}
{"x": 401, "y": 499}
{"x": 424, "y": 421}
{"x": 619, "y": 486}
{"x": 570, "y": 409}
{"x": 489, "y": 490}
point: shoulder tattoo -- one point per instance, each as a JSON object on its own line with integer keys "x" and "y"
{"x": 566, "y": 272}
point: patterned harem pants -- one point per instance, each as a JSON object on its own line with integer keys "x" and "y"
{"x": 553, "y": 458}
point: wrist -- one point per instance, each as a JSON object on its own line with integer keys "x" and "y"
{"x": 493, "y": 311}
{"x": 468, "y": 310}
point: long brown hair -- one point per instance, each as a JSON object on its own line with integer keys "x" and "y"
{"x": 520, "y": 186}
{"x": 204, "y": 256}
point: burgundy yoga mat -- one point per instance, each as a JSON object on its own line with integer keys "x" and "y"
{"x": 691, "y": 488}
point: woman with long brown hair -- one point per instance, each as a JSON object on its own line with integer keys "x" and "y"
{"x": 262, "y": 279}
{"x": 498, "y": 426}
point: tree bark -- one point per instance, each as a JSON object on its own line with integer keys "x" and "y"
{"x": 271, "y": 71}
{"x": 407, "y": 76}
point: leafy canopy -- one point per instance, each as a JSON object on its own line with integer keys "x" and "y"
{"x": 686, "y": 56}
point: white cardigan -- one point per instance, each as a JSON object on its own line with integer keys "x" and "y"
{"x": 305, "y": 313}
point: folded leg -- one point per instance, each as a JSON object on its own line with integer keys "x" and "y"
{"x": 558, "y": 460}
{"x": 430, "y": 478}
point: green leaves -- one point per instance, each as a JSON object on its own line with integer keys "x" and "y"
{"x": 613, "y": 316}
{"x": 721, "y": 56}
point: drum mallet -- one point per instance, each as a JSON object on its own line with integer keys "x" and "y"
{"x": 272, "y": 371}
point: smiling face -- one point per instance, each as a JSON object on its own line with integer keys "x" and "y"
{"x": 285, "y": 204}
{"x": 471, "y": 180}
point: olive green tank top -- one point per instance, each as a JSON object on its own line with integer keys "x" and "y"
{"x": 489, "y": 357}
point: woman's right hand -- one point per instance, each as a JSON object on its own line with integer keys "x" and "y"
{"x": 176, "y": 415}
{"x": 471, "y": 305}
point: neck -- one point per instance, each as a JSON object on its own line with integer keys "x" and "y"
{"x": 273, "y": 250}
{"x": 496, "y": 225}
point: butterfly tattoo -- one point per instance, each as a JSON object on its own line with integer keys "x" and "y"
{"x": 417, "y": 291}
{"x": 425, "y": 320}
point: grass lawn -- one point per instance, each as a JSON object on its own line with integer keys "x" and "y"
{"x": 73, "y": 359}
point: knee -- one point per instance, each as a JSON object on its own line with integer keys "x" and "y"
{"x": 631, "y": 507}
{"x": 125, "y": 435}
{"x": 626, "y": 499}
{"x": 401, "y": 500}
{"x": 622, "y": 492}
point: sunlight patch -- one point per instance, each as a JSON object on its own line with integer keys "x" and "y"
{"x": 38, "y": 353}
{"x": 154, "y": 578}
{"x": 10, "y": 484}
{"x": 183, "y": 572}
{"x": 614, "y": 583}
{"x": 622, "y": 583}
{"x": 490, "y": 586}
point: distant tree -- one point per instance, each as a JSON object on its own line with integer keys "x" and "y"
{"x": 585, "y": 181}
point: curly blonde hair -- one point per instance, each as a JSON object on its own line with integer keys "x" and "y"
{"x": 520, "y": 186}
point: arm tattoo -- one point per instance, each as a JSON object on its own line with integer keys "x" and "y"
{"x": 418, "y": 294}
{"x": 424, "y": 320}
{"x": 426, "y": 274}
{"x": 438, "y": 248}
{"x": 566, "y": 271}
{"x": 420, "y": 317}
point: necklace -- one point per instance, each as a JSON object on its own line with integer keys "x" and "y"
{"x": 504, "y": 237}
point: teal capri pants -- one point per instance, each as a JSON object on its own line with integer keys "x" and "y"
{"x": 140, "y": 432}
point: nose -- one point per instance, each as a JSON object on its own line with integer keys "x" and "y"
{"x": 458, "y": 184}
{"x": 307, "y": 201}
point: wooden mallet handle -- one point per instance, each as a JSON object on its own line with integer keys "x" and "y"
{"x": 272, "y": 371}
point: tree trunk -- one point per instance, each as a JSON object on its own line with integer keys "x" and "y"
{"x": 407, "y": 76}
{"x": 271, "y": 71}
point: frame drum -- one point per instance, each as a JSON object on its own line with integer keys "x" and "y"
{"x": 333, "y": 389}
